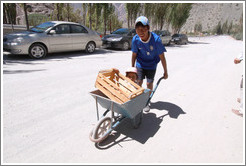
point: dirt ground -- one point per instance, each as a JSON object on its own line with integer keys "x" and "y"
{"x": 47, "y": 111}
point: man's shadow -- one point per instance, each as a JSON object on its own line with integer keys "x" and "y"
{"x": 148, "y": 128}
{"x": 173, "y": 110}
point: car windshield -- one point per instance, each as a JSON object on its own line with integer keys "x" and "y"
{"x": 42, "y": 27}
{"x": 176, "y": 35}
{"x": 121, "y": 31}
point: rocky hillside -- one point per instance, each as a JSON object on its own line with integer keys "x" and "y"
{"x": 41, "y": 8}
{"x": 210, "y": 14}
{"x": 206, "y": 14}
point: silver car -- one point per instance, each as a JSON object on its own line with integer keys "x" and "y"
{"x": 52, "y": 36}
{"x": 165, "y": 36}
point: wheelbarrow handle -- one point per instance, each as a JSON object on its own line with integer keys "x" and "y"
{"x": 151, "y": 95}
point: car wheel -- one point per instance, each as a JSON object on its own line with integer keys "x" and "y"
{"x": 125, "y": 46}
{"x": 90, "y": 47}
{"x": 37, "y": 51}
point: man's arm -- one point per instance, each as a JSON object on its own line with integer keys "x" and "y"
{"x": 239, "y": 58}
{"x": 164, "y": 65}
{"x": 134, "y": 57}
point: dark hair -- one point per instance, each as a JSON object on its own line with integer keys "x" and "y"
{"x": 141, "y": 24}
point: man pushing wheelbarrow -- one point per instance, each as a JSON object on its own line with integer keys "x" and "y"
{"x": 119, "y": 94}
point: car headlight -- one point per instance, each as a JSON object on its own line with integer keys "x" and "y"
{"x": 17, "y": 41}
{"x": 114, "y": 39}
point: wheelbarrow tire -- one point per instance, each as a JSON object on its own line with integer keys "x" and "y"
{"x": 100, "y": 131}
{"x": 137, "y": 120}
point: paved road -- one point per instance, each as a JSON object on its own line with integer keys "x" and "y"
{"x": 48, "y": 113}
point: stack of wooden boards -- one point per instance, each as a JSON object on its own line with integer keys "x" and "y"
{"x": 116, "y": 86}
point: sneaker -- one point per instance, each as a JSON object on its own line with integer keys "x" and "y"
{"x": 147, "y": 108}
{"x": 237, "y": 112}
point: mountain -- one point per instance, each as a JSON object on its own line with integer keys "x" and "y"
{"x": 210, "y": 14}
{"x": 206, "y": 14}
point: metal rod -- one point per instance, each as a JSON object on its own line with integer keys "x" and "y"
{"x": 97, "y": 109}
{"x": 112, "y": 113}
{"x": 151, "y": 95}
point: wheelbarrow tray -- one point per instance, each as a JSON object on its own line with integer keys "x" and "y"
{"x": 128, "y": 109}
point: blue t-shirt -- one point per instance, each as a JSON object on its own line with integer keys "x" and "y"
{"x": 148, "y": 52}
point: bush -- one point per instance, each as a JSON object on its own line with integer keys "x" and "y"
{"x": 35, "y": 19}
{"x": 238, "y": 36}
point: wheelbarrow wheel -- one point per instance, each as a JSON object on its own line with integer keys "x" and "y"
{"x": 100, "y": 131}
{"x": 137, "y": 120}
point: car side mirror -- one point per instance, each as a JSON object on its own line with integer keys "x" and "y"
{"x": 52, "y": 31}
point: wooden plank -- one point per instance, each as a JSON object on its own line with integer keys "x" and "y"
{"x": 108, "y": 94}
{"x": 130, "y": 87}
{"x": 137, "y": 92}
{"x": 127, "y": 91}
{"x": 119, "y": 92}
{"x": 106, "y": 74}
{"x": 129, "y": 80}
{"x": 112, "y": 76}
{"x": 117, "y": 87}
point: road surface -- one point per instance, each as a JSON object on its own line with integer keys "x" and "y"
{"x": 47, "y": 111}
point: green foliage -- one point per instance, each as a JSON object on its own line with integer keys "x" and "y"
{"x": 180, "y": 13}
{"x": 35, "y": 19}
{"x": 198, "y": 27}
{"x": 218, "y": 29}
{"x": 160, "y": 14}
{"x": 9, "y": 13}
{"x": 133, "y": 10}
{"x": 235, "y": 30}
{"x": 100, "y": 17}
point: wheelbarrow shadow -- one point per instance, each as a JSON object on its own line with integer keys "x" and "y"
{"x": 148, "y": 128}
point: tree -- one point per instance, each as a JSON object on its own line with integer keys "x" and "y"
{"x": 9, "y": 14}
{"x": 59, "y": 9}
{"x": 98, "y": 8}
{"x": 133, "y": 10}
{"x": 160, "y": 14}
{"x": 26, "y": 17}
{"x": 180, "y": 13}
{"x": 7, "y": 9}
{"x": 84, "y": 10}
{"x": 108, "y": 9}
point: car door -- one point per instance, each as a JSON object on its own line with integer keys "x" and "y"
{"x": 80, "y": 37}
{"x": 164, "y": 38}
{"x": 61, "y": 40}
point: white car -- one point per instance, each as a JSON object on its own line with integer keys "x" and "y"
{"x": 52, "y": 36}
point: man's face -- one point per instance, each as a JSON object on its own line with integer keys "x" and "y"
{"x": 143, "y": 32}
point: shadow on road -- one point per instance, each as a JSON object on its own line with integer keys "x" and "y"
{"x": 20, "y": 71}
{"x": 173, "y": 110}
{"x": 25, "y": 59}
{"x": 190, "y": 42}
{"x": 149, "y": 127}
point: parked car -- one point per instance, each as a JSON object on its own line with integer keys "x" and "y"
{"x": 121, "y": 38}
{"x": 164, "y": 35}
{"x": 52, "y": 36}
{"x": 179, "y": 39}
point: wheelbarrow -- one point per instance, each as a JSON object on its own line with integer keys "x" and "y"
{"x": 132, "y": 109}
